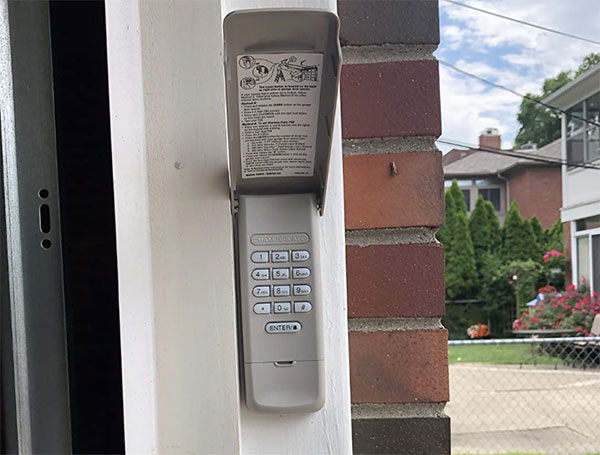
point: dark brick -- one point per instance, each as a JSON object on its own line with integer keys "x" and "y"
{"x": 389, "y": 21}
{"x": 391, "y": 99}
{"x": 374, "y": 198}
{"x": 399, "y": 366}
{"x": 395, "y": 281}
{"x": 408, "y": 436}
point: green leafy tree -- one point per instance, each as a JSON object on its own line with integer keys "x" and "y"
{"x": 495, "y": 229}
{"x": 540, "y": 238}
{"x": 542, "y": 125}
{"x": 443, "y": 234}
{"x": 461, "y": 276}
{"x": 519, "y": 240}
{"x": 497, "y": 293}
{"x": 589, "y": 61}
{"x": 553, "y": 238}
{"x": 480, "y": 229}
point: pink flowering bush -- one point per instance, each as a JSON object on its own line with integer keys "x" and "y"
{"x": 553, "y": 256}
{"x": 573, "y": 309}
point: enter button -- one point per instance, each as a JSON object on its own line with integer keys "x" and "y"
{"x": 283, "y": 327}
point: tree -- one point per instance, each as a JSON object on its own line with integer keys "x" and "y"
{"x": 495, "y": 230}
{"x": 485, "y": 232}
{"x": 589, "y": 61}
{"x": 542, "y": 125}
{"x": 538, "y": 233}
{"x": 461, "y": 276}
{"x": 443, "y": 234}
{"x": 519, "y": 240}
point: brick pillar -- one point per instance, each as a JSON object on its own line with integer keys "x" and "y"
{"x": 394, "y": 205}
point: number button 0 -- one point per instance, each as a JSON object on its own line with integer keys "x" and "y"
{"x": 282, "y": 307}
{"x": 300, "y": 256}
{"x": 281, "y": 274}
{"x": 280, "y": 256}
{"x": 260, "y": 274}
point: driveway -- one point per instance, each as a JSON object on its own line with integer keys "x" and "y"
{"x": 504, "y": 408}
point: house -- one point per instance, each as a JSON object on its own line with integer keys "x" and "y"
{"x": 501, "y": 179}
{"x": 580, "y": 144}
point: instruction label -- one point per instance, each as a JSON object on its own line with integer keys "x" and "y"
{"x": 279, "y": 110}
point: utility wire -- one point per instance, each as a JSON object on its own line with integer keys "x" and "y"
{"x": 527, "y": 97}
{"x": 529, "y": 24}
{"x": 521, "y": 155}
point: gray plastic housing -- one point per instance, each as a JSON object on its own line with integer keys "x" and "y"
{"x": 277, "y": 31}
{"x": 284, "y": 372}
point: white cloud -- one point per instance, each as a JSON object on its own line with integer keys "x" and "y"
{"x": 468, "y": 105}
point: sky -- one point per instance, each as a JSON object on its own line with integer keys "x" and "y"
{"x": 507, "y": 53}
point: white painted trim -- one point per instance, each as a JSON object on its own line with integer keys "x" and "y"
{"x": 174, "y": 233}
{"x": 133, "y": 230}
{"x": 589, "y": 233}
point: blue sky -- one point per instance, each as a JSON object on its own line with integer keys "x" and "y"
{"x": 507, "y": 53}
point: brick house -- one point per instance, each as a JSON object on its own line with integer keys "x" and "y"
{"x": 501, "y": 179}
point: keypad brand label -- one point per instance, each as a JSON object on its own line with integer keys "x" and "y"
{"x": 280, "y": 239}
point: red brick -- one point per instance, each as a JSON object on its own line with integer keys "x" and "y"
{"x": 538, "y": 191}
{"x": 391, "y": 99}
{"x": 375, "y": 198}
{"x": 399, "y": 366}
{"x": 395, "y": 281}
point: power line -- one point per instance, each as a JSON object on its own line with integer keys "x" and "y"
{"x": 521, "y": 155}
{"x": 527, "y": 97}
{"x": 529, "y": 24}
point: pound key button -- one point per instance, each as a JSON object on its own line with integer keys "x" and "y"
{"x": 283, "y": 327}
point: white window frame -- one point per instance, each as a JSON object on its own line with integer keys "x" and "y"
{"x": 575, "y": 275}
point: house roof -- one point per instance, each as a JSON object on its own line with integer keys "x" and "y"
{"x": 485, "y": 163}
{"x": 575, "y": 91}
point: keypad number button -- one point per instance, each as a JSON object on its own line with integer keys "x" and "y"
{"x": 281, "y": 274}
{"x": 300, "y": 256}
{"x": 280, "y": 256}
{"x": 262, "y": 308}
{"x": 260, "y": 257}
{"x": 302, "y": 289}
{"x": 301, "y": 272}
{"x": 261, "y": 291}
{"x": 280, "y": 291}
{"x": 302, "y": 307}
{"x": 282, "y": 307}
{"x": 260, "y": 274}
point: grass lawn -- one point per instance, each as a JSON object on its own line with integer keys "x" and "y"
{"x": 504, "y": 354}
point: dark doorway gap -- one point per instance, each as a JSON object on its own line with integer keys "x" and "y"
{"x": 79, "y": 54}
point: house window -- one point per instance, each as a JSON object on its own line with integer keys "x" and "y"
{"x": 467, "y": 195}
{"x": 587, "y": 249}
{"x": 492, "y": 195}
{"x": 583, "y": 139}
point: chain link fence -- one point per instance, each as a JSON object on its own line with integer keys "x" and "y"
{"x": 526, "y": 396}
